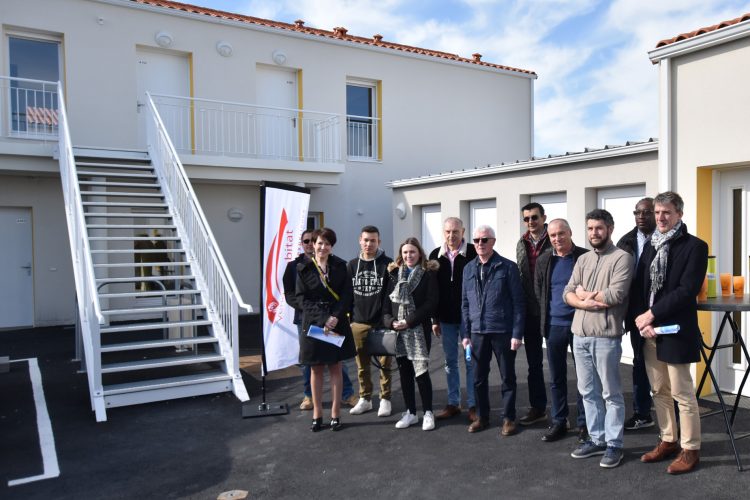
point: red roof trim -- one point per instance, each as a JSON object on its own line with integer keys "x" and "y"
{"x": 701, "y": 31}
{"x": 337, "y": 33}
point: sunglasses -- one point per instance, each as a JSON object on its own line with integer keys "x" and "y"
{"x": 306, "y": 241}
{"x": 532, "y": 217}
{"x": 482, "y": 240}
{"x": 640, "y": 213}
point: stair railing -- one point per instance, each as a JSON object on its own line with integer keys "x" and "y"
{"x": 89, "y": 311}
{"x": 211, "y": 271}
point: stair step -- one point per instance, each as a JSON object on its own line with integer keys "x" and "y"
{"x": 143, "y": 264}
{"x": 118, "y": 204}
{"x": 166, "y": 383}
{"x": 121, "y": 194}
{"x": 132, "y": 279}
{"x": 146, "y": 364}
{"x": 89, "y": 173}
{"x": 134, "y": 238}
{"x": 155, "y": 344}
{"x": 120, "y": 184}
{"x": 137, "y": 327}
{"x": 141, "y": 310}
{"x": 126, "y": 166}
{"x": 131, "y": 226}
{"x": 108, "y": 215}
{"x": 158, "y": 293}
{"x": 166, "y": 250}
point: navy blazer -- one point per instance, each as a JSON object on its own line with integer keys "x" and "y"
{"x": 675, "y": 303}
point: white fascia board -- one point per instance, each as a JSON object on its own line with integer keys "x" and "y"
{"x": 701, "y": 42}
{"x": 306, "y": 36}
{"x": 556, "y": 161}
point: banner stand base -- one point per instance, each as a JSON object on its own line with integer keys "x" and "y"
{"x": 253, "y": 410}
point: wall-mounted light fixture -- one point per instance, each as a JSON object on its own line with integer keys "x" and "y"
{"x": 235, "y": 214}
{"x": 400, "y": 210}
{"x": 224, "y": 48}
{"x": 163, "y": 39}
{"x": 279, "y": 57}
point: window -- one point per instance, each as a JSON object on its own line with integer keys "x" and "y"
{"x": 362, "y": 122}
{"x": 555, "y": 204}
{"x": 33, "y": 104}
{"x": 483, "y": 213}
{"x": 620, "y": 202}
{"x": 432, "y": 227}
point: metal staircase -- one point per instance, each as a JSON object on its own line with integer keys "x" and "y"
{"x": 158, "y": 310}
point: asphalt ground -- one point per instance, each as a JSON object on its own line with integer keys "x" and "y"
{"x": 200, "y": 447}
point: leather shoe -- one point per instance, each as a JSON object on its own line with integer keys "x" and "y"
{"x": 662, "y": 451}
{"x": 554, "y": 432}
{"x": 685, "y": 462}
{"x": 448, "y": 412}
{"x": 479, "y": 424}
{"x": 509, "y": 427}
{"x": 533, "y": 416}
{"x": 473, "y": 414}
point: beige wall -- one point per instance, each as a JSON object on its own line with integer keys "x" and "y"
{"x": 511, "y": 190}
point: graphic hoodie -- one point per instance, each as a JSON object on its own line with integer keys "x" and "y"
{"x": 367, "y": 280}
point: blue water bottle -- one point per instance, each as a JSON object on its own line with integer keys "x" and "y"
{"x": 468, "y": 353}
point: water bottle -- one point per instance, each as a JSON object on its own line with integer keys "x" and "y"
{"x": 468, "y": 353}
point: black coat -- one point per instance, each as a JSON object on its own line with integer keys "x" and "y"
{"x": 450, "y": 282}
{"x": 425, "y": 300}
{"x": 675, "y": 303}
{"x": 318, "y": 304}
{"x": 542, "y": 279}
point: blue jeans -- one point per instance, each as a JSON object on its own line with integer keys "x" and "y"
{"x": 598, "y": 366}
{"x": 450, "y": 334}
{"x": 532, "y": 344}
{"x": 483, "y": 346}
{"x": 641, "y": 386}
{"x": 346, "y": 391}
{"x": 558, "y": 340}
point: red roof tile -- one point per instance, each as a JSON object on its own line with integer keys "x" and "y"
{"x": 701, "y": 31}
{"x": 338, "y": 33}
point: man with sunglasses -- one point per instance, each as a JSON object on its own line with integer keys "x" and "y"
{"x": 289, "y": 281}
{"x": 492, "y": 312}
{"x": 634, "y": 242}
{"x": 532, "y": 244}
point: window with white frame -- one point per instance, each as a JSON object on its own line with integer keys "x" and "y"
{"x": 555, "y": 204}
{"x": 33, "y": 103}
{"x": 620, "y": 202}
{"x": 483, "y": 213}
{"x": 362, "y": 130}
{"x": 432, "y": 227}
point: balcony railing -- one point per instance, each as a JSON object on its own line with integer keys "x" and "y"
{"x": 30, "y": 108}
{"x": 209, "y": 127}
{"x": 362, "y": 137}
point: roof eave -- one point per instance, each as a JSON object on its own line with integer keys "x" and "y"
{"x": 555, "y": 161}
{"x": 700, "y": 42}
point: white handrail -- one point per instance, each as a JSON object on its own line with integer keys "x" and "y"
{"x": 237, "y": 103}
{"x": 211, "y": 271}
{"x": 89, "y": 310}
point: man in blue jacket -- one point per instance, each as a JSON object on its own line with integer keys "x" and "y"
{"x": 492, "y": 312}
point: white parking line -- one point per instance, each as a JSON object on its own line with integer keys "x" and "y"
{"x": 44, "y": 426}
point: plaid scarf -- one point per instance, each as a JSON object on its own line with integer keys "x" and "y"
{"x": 410, "y": 342}
{"x": 658, "y": 271}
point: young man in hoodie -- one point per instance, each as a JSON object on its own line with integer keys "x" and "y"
{"x": 367, "y": 272}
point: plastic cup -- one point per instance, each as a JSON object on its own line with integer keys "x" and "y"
{"x": 726, "y": 284}
{"x": 738, "y": 283}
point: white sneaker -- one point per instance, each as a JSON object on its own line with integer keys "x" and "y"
{"x": 407, "y": 419}
{"x": 362, "y": 406}
{"x": 384, "y": 410}
{"x": 428, "y": 421}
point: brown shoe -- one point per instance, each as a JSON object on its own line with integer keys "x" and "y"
{"x": 473, "y": 414}
{"x": 306, "y": 404}
{"x": 351, "y": 401}
{"x": 662, "y": 451}
{"x": 448, "y": 412}
{"x": 479, "y": 425}
{"x": 509, "y": 427}
{"x": 685, "y": 462}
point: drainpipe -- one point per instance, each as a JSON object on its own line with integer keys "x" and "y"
{"x": 665, "y": 125}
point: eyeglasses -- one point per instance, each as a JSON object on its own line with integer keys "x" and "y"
{"x": 531, "y": 217}
{"x": 640, "y": 213}
{"x": 482, "y": 240}
{"x": 306, "y": 241}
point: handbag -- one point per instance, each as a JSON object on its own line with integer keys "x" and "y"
{"x": 381, "y": 342}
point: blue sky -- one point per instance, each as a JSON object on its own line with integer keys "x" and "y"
{"x": 596, "y": 85}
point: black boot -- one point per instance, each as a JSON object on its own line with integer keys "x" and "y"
{"x": 336, "y": 424}
{"x": 317, "y": 424}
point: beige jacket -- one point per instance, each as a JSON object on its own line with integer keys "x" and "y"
{"x": 610, "y": 271}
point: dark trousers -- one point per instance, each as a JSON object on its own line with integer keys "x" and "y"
{"x": 558, "y": 340}
{"x": 532, "y": 342}
{"x": 641, "y": 386}
{"x": 406, "y": 371}
{"x": 483, "y": 346}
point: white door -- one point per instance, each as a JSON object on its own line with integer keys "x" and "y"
{"x": 732, "y": 257}
{"x": 16, "y": 267}
{"x": 276, "y": 96}
{"x": 483, "y": 213}
{"x": 167, "y": 73}
{"x": 620, "y": 202}
{"x": 432, "y": 228}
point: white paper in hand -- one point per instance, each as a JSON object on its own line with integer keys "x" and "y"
{"x": 318, "y": 333}
{"x": 667, "y": 330}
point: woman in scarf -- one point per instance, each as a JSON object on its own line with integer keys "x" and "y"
{"x": 409, "y": 301}
{"x": 325, "y": 294}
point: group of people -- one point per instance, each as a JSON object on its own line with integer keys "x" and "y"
{"x": 478, "y": 301}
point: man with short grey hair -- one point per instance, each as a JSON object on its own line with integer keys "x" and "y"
{"x": 492, "y": 310}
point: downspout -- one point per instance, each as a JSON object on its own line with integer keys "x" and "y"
{"x": 665, "y": 125}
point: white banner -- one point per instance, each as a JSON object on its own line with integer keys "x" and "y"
{"x": 285, "y": 219}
